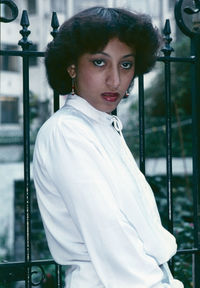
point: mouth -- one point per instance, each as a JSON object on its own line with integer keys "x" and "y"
{"x": 110, "y": 97}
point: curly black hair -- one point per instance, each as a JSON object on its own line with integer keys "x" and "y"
{"x": 89, "y": 31}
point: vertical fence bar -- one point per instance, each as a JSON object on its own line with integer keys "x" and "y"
{"x": 141, "y": 124}
{"x": 58, "y": 276}
{"x": 24, "y": 43}
{"x": 167, "y": 50}
{"x": 56, "y": 104}
{"x": 168, "y": 144}
{"x": 27, "y": 195}
{"x": 195, "y": 50}
{"x": 55, "y": 26}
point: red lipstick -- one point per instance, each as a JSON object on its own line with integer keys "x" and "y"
{"x": 110, "y": 97}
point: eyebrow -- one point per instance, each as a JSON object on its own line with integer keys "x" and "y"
{"x": 105, "y": 54}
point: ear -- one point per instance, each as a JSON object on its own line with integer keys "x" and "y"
{"x": 72, "y": 71}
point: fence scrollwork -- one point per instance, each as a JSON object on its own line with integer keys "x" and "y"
{"x": 38, "y": 275}
{"x": 14, "y": 10}
{"x": 182, "y": 10}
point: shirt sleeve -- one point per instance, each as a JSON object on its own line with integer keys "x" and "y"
{"x": 82, "y": 177}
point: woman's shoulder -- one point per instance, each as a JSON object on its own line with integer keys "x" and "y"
{"x": 66, "y": 121}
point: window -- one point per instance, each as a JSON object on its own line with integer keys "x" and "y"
{"x": 9, "y": 63}
{"x": 58, "y": 6}
{"x": 31, "y": 7}
{"x": 9, "y": 110}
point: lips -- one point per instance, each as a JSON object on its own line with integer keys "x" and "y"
{"x": 110, "y": 97}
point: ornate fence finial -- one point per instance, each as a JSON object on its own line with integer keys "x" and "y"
{"x": 24, "y": 42}
{"x": 54, "y": 24}
{"x": 13, "y": 8}
{"x": 167, "y": 49}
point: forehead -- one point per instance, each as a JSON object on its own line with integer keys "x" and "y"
{"x": 113, "y": 49}
{"x": 116, "y": 46}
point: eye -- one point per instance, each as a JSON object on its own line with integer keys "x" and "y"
{"x": 127, "y": 65}
{"x": 99, "y": 62}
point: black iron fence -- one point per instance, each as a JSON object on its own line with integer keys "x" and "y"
{"x": 25, "y": 270}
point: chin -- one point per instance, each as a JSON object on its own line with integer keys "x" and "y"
{"x": 110, "y": 110}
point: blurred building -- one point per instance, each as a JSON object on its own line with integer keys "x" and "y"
{"x": 40, "y": 17}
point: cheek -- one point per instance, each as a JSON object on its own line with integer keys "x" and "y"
{"x": 129, "y": 78}
{"x": 82, "y": 79}
{"x": 86, "y": 79}
{"x": 126, "y": 81}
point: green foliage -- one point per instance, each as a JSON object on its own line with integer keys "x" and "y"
{"x": 182, "y": 219}
{"x": 180, "y": 87}
{"x": 155, "y": 111}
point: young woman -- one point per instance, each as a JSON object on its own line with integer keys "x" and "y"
{"x": 98, "y": 211}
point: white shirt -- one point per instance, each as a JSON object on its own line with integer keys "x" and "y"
{"x": 89, "y": 193}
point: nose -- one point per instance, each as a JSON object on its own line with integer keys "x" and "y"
{"x": 113, "y": 78}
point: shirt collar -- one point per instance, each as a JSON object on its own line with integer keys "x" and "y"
{"x": 86, "y": 108}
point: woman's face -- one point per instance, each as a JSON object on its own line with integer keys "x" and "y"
{"x": 103, "y": 78}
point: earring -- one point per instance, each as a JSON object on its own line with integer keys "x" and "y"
{"x": 126, "y": 94}
{"x": 73, "y": 86}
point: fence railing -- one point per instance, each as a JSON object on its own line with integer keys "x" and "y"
{"x": 16, "y": 271}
